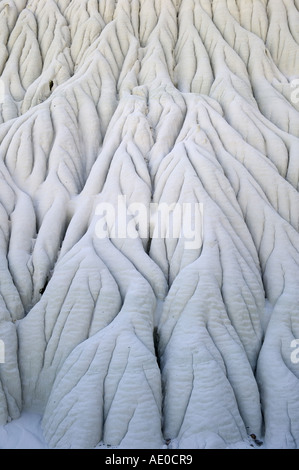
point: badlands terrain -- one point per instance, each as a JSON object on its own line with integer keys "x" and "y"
{"x": 141, "y": 338}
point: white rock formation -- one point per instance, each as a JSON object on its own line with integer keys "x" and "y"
{"x": 138, "y": 341}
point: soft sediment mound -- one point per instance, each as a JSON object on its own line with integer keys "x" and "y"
{"x": 142, "y": 339}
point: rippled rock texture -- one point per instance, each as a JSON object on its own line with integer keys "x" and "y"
{"x": 142, "y": 341}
